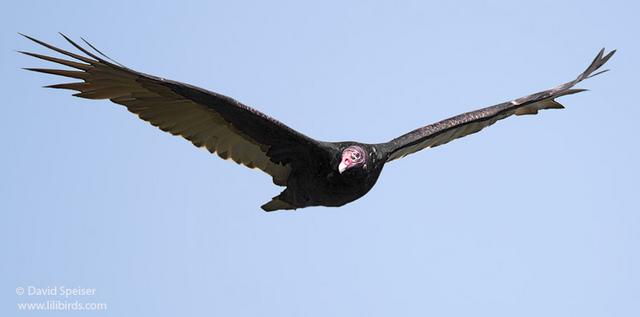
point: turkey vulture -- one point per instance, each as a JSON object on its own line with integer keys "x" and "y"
{"x": 315, "y": 173}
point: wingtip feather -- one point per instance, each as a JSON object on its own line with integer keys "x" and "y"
{"x": 100, "y": 52}
{"x": 82, "y": 49}
{"x": 59, "y": 50}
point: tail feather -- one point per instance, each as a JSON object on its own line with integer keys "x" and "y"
{"x": 277, "y": 204}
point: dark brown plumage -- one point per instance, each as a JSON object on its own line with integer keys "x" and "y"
{"x": 315, "y": 173}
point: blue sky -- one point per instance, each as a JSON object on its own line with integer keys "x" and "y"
{"x": 534, "y": 216}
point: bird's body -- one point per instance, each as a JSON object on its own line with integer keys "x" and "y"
{"x": 315, "y": 173}
{"x": 321, "y": 184}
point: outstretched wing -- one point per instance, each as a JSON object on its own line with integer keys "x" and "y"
{"x": 220, "y": 124}
{"x": 471, "y": 122}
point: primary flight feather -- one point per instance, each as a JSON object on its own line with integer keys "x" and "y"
{"x": 315, "y": 173}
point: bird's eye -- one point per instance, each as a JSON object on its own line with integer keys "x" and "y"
{"x": 355, "y": 156}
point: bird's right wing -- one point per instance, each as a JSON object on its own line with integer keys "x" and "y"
{"x": 471, "y": 122}
{"x": 220, "y": 124}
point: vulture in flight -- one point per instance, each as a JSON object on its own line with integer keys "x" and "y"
{"x": 315, "y": 173}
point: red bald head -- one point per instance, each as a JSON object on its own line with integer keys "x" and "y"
{"x": 351, "y": 157}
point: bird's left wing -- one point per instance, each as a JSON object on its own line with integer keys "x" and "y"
{"x": 471, "y": 122}
{"x": 220, "y": 124}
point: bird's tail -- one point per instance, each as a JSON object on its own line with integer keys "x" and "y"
{"x": 277, "y": 204}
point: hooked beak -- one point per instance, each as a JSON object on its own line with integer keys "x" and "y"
{"x": 342, "y": 167}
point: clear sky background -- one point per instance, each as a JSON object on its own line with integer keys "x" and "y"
{"x": 534, "y": 216}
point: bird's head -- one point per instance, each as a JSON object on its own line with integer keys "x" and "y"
{"x": 353, "y": 156}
